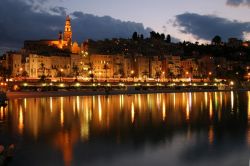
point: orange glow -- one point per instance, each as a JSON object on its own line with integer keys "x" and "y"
{"x": 20, "y": 120}
{"x": 163, "y": 110}
{"x": 248, "y": 113}
{"x": 65, "y": 142}
{"x": 61, "y": 112}
{"x": 99, "y": 109}
{"x": 211, "y": 135}
{"x": 132, "y": 112}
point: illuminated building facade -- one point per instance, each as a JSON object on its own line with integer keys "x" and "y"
{"x": 64, "y": 41}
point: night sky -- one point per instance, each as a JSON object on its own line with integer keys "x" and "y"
{"x": 190, "y": 20}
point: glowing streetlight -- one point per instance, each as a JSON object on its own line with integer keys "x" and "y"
{"x": 61, "y": 70}
{"x": 132, "y": 74}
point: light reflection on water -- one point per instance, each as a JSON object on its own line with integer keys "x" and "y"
{"x": 72, "y": 126}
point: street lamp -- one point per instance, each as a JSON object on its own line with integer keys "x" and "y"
{"x": 20, "y": 70}
{"x": 61, "y": 73}
{"x": 209, "y": 75}
{"x": 132, "y": 74}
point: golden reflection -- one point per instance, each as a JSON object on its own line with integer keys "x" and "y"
{"x": 248, "y": 107}
{"x": 195, "y": 98}
{"x": 190, "y": 100}
{"x": 158, "y": 101}
{"x": 211, "y": 135}
{"x": 99, "y": 109}
{"x": 220, "y": 106}
{"x": 206, "y": 98}
{"x": 163, "y": 110}
{"x": 25, "y": 103}
{"x": 174, "y": 101}
{"x": 221, "y": 98}
{"x": 216, "y": 99}
{"x": 132, "y": 112}
{"x": 210, "y": 107}
{"x": 232, "y": 100}
{"x": 20, "y": 120}
{"x": 51, "y": 104}
{"x": 248, "y": 116}
{"x": 65, "y": 141}
{"x": 94, "y": 115}
{"x": 77, "y": 103}
{"x": 121, "y": 101}
{"x": 183, "y": 97}
{"x": 187, "y": 110}
{"x": 84, "y": 120}
{"x": 139, "y": 101}
{"x": 61, "y": 112}
{"x": 1, "y": 113}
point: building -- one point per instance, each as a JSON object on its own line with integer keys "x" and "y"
{"x": 189, "y": 68}
{"x": 64, "y": 41}
{"x": 103, "y": 65}
{"x": 172, "y": 66}
{"x": 156, "y": 68}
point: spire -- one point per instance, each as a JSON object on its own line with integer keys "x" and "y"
{"x": 67, "y": 18}
{"x": 67, "y": 35}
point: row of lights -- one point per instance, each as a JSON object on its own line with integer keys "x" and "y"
{"x": 122, "y": 84}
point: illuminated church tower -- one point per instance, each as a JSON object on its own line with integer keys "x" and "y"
{"x": 67, "y": 36}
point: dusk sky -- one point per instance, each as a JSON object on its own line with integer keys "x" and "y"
{"x": 190, "y": 20}
{"x": 160, "y": 15}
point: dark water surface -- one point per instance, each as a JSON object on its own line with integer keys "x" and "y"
{"x": 176, "y": 129}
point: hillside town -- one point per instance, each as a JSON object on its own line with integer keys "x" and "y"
{"x": 139, "y": 59}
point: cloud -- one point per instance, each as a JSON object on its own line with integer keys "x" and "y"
{"x": 237, "y": 3}
{"x": 19, "y": 21}
{"x": 207, "y": 26}
{"x": 59, "y": 10}
{"x": 90, "y": 26}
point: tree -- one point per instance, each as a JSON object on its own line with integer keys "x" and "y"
{"x": 42, "y": 68}
{"x": 168, "y": 40}
{"x": 157, "y": 74}
{"x": 141, "y": 37}
{"x": 135, "y": 36}
{"x": 170, "y": 75}
{"x": 75, "y": 69}
{"x": 25, "y": 74}
{"x": 106, "y": 67}
{"x": 91, "y": 72}
{"x": 145, "y": 75}
{"x": 162, "y": 36}
{"x": 216, "y": 40}
{"x": 60, "y": 74}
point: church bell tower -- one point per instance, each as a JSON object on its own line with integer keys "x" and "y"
{"x": 67, "y": 36}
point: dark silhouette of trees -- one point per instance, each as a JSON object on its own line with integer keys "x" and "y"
{"x": 106, "y": 67}
{"x": 135, "y": 36}
{"x": 168, "y": 39}
{"x": 42, "y": 68}
{"x": 216, "y": 40}
{"x": 75, "y": 71}
{"x": 157, "y": 36}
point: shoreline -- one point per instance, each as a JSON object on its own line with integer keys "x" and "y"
{"x": 34, "y": 94}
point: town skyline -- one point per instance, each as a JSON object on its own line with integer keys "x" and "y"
{"x": 190, "y": 22}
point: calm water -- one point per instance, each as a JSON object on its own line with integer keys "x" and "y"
{"x": 177, "y": 129}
